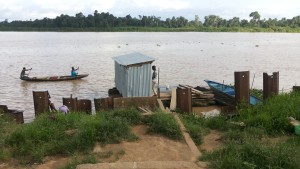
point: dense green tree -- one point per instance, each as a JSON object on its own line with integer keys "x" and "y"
{"x": 255, "y": 18}
{"x": 107, "y": 21}
{"x": 197, "y": 21}
{"x": 212, "y": 21}
{"x": 244, "y": 23}
{"x": 234, "y": 22}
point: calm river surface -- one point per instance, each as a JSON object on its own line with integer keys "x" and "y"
{"x": 183, "y": 58}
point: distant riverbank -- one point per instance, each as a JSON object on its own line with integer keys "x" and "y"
{"x": 154, "y": 29}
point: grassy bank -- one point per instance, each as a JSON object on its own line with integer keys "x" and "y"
{"x": 65, "y": 135}
{"x": 164, "y": 124}
{"x": 266, "y": 141}
{"x": 76, "y": 134}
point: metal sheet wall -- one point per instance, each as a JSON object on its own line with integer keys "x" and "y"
{"x": 134, "y": 81}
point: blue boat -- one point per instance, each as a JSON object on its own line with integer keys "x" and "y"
{"x": 226, "y": 93}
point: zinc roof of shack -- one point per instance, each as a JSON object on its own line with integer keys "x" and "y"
{"x": 132, "y": 59}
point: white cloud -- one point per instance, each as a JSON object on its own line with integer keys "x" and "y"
{"x": 38, "y": 9}
{"x": 162, "y": 4}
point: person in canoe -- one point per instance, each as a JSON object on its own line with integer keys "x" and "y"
{"x": 74, "y": 72}
{"x": 23, "y": 73}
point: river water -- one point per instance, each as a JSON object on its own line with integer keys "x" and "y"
{"x": 183, "y": 58}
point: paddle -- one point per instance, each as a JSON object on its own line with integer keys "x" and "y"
{"x": 29, "y": 71}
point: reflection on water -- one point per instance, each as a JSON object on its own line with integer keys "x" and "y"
{"x": 183, "y": 58}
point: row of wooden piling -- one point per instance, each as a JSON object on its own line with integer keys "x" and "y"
{"x": 42, "y": 102}
{"x": 17, "y": 115}
{"x": 242, "y": 90}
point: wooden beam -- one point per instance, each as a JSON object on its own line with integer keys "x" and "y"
{"x": 198, "y": 92}
{"x": 294, "y": 122}
{"x": 173, "y": 100}
{"x": 160, "y": 104}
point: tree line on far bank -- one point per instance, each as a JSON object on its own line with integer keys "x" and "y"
{"x": 108, "y": 22}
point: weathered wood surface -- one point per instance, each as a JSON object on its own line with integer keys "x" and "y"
{"x": 128, "y": 102}
{"x": 294, "y": 122}
{"x": 198, "y": 92}
{"x": 173, "y": 100}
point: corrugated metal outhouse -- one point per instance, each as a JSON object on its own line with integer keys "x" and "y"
{"x": 133, "y": 75}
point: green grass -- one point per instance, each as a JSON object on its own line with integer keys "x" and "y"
{"x": 58, "y": 134}
{"x": 164, "y": 124}
{"x": 273, "y": 114}
{"x": 246, "y": 149}
{"x": 255, "y": 145}
{"x": 195, "y": 127}
{"x": 7, "y": 126}
{"x": 198, "y": 126}
{"x": 132, "y": 116}
{"x": 76, "y": 160}
{"x": 258, "y": 93}
{"x": 45, "y": 136}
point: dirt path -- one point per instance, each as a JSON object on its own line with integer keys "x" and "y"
{"x": 152, "y": 148}
{"x": 211, "y": 141}
{"x": 150, "y": 151}
{"x": 155, "y": 150}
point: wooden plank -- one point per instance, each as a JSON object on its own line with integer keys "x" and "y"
{"x": 173, "y": 100}
{"x": 294, "y": 122}
{"x": 160, "y": 104}
{"x": 145, "y": 111}
{"x": 129, "y": 102}
{"x": 198, "y": 92}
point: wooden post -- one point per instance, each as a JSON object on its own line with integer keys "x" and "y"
{"x": 41, "y": 102}
{"x": 296, "y": 88}
{"x": 3, "y": 109}
{"x": 17, "y": 115}
{"x": 270, "y": 85}
{"x": 71, "y": 103}
{"x": 184, "y": 99}
{"x": 104, "y": 103}
{"x": 158, "y": 89}
{"x": 84, "y": 105}
{"x": 241, "y": 84}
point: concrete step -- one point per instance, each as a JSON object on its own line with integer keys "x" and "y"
{"x": 145, "y": 165}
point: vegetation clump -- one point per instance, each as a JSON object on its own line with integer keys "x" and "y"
{"x": 76, "y": 133}
{"x": 164, "y": 124}
{"x": 273, "y": 114}
{"x": 45, "y": 136}
{"x": 266, "y": 141}
{"x": 132, "y": 116}
{"x": 106, "y": 22}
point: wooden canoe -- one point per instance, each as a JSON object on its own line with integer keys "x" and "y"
{"x": 226, "y": 93}
{"x": 53, "y": 78}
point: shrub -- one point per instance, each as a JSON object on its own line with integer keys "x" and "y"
{"x": 132, "y": 116}
{"x": 49, "y": 136}
{"x": 195, "y": 127}
{"x": 253, "y": 154}
{"x": 273, "y": 114}
{"x": 164, "y": 124}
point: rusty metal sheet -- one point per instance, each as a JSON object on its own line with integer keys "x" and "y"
{"x": 41, "y": 102}
{"x": 84, "y": 105}
{"x": 71, "y": 103}
{"x": 270, "y": 85}
{"x": 184, "y": 99}
{"x": 104, "y": 104}
{"x": 242, "y": 85}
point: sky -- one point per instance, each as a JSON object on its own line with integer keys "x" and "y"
{"x": 227, "y": 9}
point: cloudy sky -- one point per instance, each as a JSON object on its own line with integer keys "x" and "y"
{"x": 38, "y": 9}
